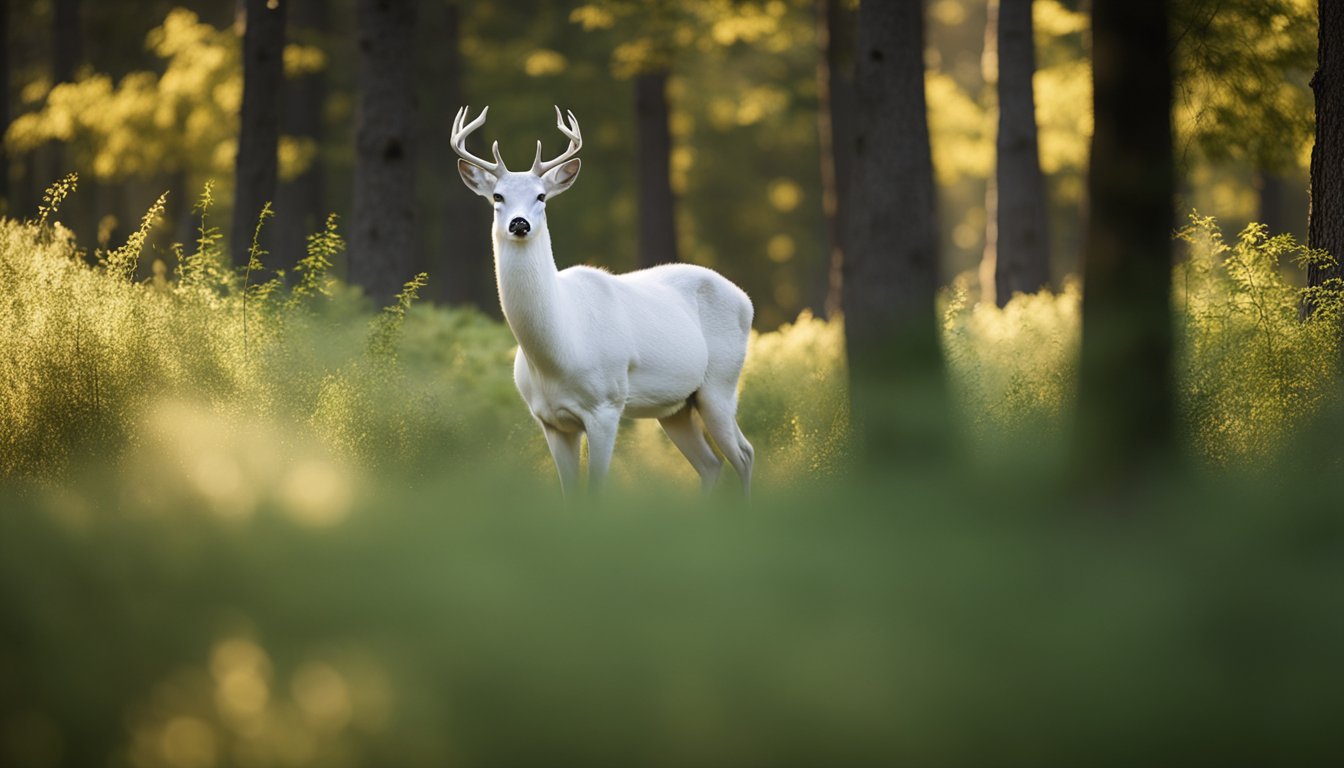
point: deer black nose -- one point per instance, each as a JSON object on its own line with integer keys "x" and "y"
{"x": 519, "y": 227}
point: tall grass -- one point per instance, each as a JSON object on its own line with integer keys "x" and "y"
{"x": 1251, "y": 370}
{"x": 91, "y": 353}
{"x": 335, "y": 539}
{"x": 96, "y": 357}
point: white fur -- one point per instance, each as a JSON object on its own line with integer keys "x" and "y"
{"x": 660, "y": 343}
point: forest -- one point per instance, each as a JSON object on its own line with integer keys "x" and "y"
{"x": 1044, "y": 381}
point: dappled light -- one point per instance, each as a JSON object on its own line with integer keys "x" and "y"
{"x": 239, "y": 707}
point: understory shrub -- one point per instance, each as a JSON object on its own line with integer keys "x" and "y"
{"x": 93, "y": 358}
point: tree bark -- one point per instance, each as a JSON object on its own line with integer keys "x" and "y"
{"x": 835, "y": 137}
{"x": 259, "y": 122}
{"x": 67, "y": 42}
{"x": 301, "y": 207}
{"x": 657, "y": 216}
{"x": 6, "y": 201}
{"x": 1023, "y": 242}
{"x": 382, "y": 234}
{"x": 455, "y": 222}
{"x": 1325, "y": 220}
{"x": 989, "y": 68}
{"x": 1125, "y": 421}
{"x": 898, "y": 407}
{"x": 1273, "y": 190}
{"x": 79, "y": 213}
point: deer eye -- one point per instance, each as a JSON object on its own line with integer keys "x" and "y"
{"x": 541, "y": 198}
{"x": 499, "y": 198}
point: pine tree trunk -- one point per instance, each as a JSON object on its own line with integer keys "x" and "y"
{"x": 657, "y": 217}
{"x": 1125, "y": 428}
{"x": 6, "y": 200}
{"x": 382, "y": 234}
{"x": 301, "y": 207}
{"x": 1272, "y": 211}
{"x": 455, "y": 223}
{"x": 1325, "y": 222}
{"x": 1023, "y": 242}
{"x": 835, "y": 137}
{"x": 78, "y": 212}
{"x": 891, "y": 266}
{"x": 67, "y": 41}
{"x": 989, "y": 68}
{"x": 259, "y": 124}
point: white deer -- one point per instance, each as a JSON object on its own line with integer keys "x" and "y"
{"x": 663, "y": 343}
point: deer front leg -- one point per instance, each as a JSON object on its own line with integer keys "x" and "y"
{"x": 601, "y": 429}
{"x": 565, "y": 451}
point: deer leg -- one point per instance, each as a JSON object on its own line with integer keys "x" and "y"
{"x": 565, "y": 451}
{"x": 718, "y": 407}
{"x": 601, "y": 429}
{"x": 687, "y": 435}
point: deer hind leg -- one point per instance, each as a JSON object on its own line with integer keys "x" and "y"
{"x": 718, "y": 407}
{"x": 687, "y": 435}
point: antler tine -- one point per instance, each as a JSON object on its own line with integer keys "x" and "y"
{"x": 575, "y": 137}
{"x": 459, "y": 141}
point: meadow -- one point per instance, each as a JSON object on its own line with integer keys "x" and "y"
{"x": 254, "y": 520}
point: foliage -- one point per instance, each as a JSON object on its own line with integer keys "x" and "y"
{"x": 54, "y": 196}
{"x": 387, "y": 326}
{"x": 93, "y": 355}
{"x": 1243, "y": 72}
{"x": 1253, "y": 372}
{"x": 276, "y": 547}
{"x": 105, "y": 361}
{"x": 97, "y": 354}
{"x": 182, "y": 119}
{"x": 852, "y": 624}
{"x": 1013, "y": 369}
{"x": 122, "y": 262}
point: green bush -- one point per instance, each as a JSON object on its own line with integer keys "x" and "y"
{"x": 99, "y": 360}
{"x": 93, "y": 355}
{"x": 1252, "y": 370}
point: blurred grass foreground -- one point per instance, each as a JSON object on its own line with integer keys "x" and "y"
{"x": 251, "y": 522}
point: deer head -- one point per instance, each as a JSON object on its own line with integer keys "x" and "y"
{"x": 519, "y": 197}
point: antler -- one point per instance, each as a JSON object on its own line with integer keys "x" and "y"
{"x": 575, "y": 143}
{"x": 459, "y": 140}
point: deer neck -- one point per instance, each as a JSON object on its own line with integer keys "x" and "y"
{"x": 530, "y": 296}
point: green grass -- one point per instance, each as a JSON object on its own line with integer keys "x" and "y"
{"x": 332, "y": 536}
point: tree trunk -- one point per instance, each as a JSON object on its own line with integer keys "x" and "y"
{"x": 382, "y": 233}
{"x": 259, "y": 121}
{"x": 1125, "y": 398}
{"x": 455, "y": 222}
{"x": 989, "y": 68}
{"x": 891, "y": 267}
{"x": 1023, "y": 248}
{"x": 1325, "y": 221}
{"x": 835, "y": 137}
{"x": 67, "y": 42}
{"x": 6, "y": 200}
{"x": 657, "y": 219}
{"x": 300, "y": 205}
{"x": 79, "y": 212}
{"x": 1273, "y": 190}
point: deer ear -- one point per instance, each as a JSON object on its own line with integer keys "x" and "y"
{"x": 477, "y": 179}
{"x": 561, "y": 177}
